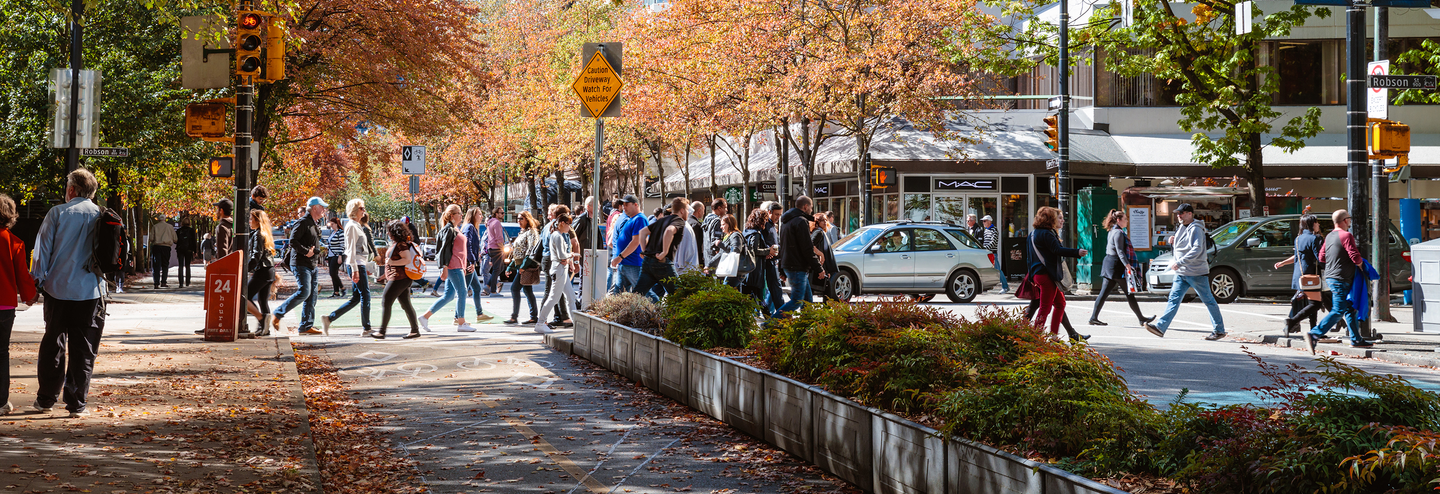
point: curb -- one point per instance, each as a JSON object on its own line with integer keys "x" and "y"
{"x": 285, "y": 353}
{"x": 1298, "y": 343}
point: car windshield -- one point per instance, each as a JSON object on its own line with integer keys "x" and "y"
{"x": 858, "y": 239}
{"x": 1230, "y": 232}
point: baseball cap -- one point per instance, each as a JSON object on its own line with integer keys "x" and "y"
{"x": 316, "y": 201}
{"x": 630, "y": 199}
{"x": 987, "y": 218}
{"x": 1184, "y": 207}
{"x": 225, "y": 205}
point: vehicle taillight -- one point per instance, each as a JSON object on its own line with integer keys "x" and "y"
{"x": 1405, "y": 255}
{"x": 992, "y": 257}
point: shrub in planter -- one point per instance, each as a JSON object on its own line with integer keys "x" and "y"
{"x": 719, "y": 317}
{"x": 690, "y": 283}
{"x": 628, "y": 309}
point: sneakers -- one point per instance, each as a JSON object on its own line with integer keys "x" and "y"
{"x": 5, "y": 410}
{"x": 465, "y": 328}
{"x": 1362, "y": 344}
{"x": 325, "y": 323}
{"x": 1310, "y": 342}
{"x": 1154, "y": 330}
{"x": 42, "y": 409}
{"x": 425, "y": 323}
{"x": 1214, "y": 336}
{"x": 543, "y": 328}
{"x": 79, "y": 414}
{"x": 367, "y": 333}
{"x": 482, "y": 317}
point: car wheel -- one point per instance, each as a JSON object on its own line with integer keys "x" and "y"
{"x": 921, "y": 298}
{"x": 843, "y": 286}
{"x": 962, "y": 287}
{"x": 1225, "y": 285}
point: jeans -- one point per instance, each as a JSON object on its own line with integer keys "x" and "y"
{"x": 494, "y": 273}
{"x": 160, "y": 264}
{"x": 1201, "y": 284}
{"x": 73, "y": 327}
{"x": 515, "y": 289}
{"x": 7, "y": 322}
{"x": 1340, "y": 308}
{"x": 454, "y": 290}
{"x": 472, "y": 283}
{"x": 655, "y": 274}
{"x": 772, "y": 285}
{"x": 359, "y": 294}
{"x": 336, "y": 284}
{"x": 305, "y": 292}
{"x": 799, "y": 290}
{"x": 1004, "y": 283}
{"x": 624, "y": 278}
{"x": 183, "y": 274}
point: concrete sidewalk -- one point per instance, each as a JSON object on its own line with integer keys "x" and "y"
{"x": 170, "y": 413}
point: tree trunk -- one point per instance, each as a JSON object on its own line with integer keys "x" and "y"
{"x": 807, "y": 155}
{"x": 685, "y": 169}
{"x": 1255, "y": 174}
{"x": 714, "y": 189}
{"x": 535, "y": 197}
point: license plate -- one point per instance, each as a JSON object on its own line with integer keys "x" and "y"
{"x": 1154, "y": 280}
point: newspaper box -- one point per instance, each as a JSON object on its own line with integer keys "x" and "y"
{"x": 222, "y": 298}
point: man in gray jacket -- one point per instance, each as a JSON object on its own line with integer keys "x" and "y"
{"x": 1191, "y": 271}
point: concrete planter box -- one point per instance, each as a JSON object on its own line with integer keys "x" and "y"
{"x": 974, "y": 468}
{"x": 707, "y": 383}
{"x": 909, "y": 457}
{"x": 561, "y": 342}
{"x": 600, "y": 343}
{"x": 581, "y": 344}
{"x": 843, "y": 439}
{"x": 674, "y": 363}
{"x": 789, "y": 410}
{"x": 620, "y": 338}
{"x": 645, "y": 360}
{"x": 744, "y": 398}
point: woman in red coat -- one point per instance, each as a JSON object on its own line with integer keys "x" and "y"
{"x": 16, "y": 286}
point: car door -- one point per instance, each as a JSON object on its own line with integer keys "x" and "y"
{"x": 934, "y": 256}
{"x": 1267, "y": 244}
{"x": 889, "y": 263}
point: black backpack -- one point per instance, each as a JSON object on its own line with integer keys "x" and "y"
{"x": 112, "y": 245}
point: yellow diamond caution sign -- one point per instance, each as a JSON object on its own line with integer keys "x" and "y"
{"x": 597, "y": 86}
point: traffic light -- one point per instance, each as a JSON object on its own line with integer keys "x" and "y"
{"x": 1388, "y": 139}
{"x": 222, "y": 166}
{"x": 249, "y": 40}
{"x": 1052, "y": 131}
{"x": 882, "y": 177}
{"x": 274, "y": 53}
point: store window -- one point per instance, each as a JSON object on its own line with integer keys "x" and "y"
{"x": 917, "y": 207}
{"x": 1300, "y": 67}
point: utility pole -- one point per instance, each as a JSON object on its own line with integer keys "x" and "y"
{"x": 77, "y": 62}
{"x": 1063, "y": 178}
{"x": 1357, "y": 202}
{"x": 1380, "y": 192}
{"x": 244, "y": 120}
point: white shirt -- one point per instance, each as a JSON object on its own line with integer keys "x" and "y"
{"x": 687, "y": 254}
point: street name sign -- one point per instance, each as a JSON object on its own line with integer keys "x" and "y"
{"x": 106, "y": 152}
{"x": 1403, "y": 81}
{"x": 599, "y": 83}
{"x": 412, "y": 160}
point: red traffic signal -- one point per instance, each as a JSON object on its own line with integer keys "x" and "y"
{"x": 882, "y": 177}
{"x": 221, "y": 166}
{"x": 249, "y": 39}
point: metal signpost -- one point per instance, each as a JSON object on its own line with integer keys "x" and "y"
{"x": 599, "y": 90}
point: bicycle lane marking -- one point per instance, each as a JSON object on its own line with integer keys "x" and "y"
{"x": 550, "y": 451}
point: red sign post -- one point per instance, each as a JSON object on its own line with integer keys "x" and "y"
{"x": 222, "y": 298}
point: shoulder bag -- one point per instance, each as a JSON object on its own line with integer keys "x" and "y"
{"x": 1028, "y": 289}
{"x": 416, "y": 268}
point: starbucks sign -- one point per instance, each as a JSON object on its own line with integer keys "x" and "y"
{"x": 732, "y": 195}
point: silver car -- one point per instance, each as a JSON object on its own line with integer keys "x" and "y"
{"x": 920, "y": 259}
{"x": 1243, "y": 254}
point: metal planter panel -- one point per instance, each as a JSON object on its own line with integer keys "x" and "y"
{"x": 645, "y": 360}
{"x": 583, "y": 323}
{"x": 843, "y": 439}
{"x": 620, "y": 338}
{"x": 745, "y": 398}
{"x": 1058, "y": 481}
{"x": 788, "y": 416}
{"x": 974, "y": 468}
{"x": 909, "y": 457}
{"x": 707, "y": 384}
{"x": 600, "y": 343}
{"x": 674, "y": 371}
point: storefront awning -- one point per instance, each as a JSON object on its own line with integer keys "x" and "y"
{"x": 1325, "y": 155}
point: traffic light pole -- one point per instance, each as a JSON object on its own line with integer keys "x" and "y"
{"x": 244, "y": 118}
{"x": 1380, "y": 192}
{"x": 1355, "y": 114}
{"x": 77, "y": 62}
{"x": 1063, "y": 175}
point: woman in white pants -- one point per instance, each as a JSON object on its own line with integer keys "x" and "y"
{"x": 562, "y": 257}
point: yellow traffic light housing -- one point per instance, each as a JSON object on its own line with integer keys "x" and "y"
{"x": 1052, "y": 132}
{"x": 1388, "y": 139}
{"x": 274, "y": 53}
{"x": 222, "y": 166}
{"x": 882, "y": 177}
{"x": 249, "y": 41}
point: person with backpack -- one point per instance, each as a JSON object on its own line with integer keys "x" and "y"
{"x": 523, "y": 257}
{"x": 66, "y": 269}
{"x": 305, "y": 248}
{"x": 662, "y": 245}
{"x": 399, "y": 260}
{"x": 207, "y": 249}
{"x": 711, "y": 229}
{"x": 16, "y": 286}
{"x": 185, "y": 248}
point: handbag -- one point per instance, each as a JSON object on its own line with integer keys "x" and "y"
{"x": 529, "y": 276}
{"x": 416, "y": 268}
{"x": 729, "y": 265}
{"x": 1027, "y": 290}
{"x": 1311, "y": 285}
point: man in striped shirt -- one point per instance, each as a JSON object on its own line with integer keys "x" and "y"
{"x": 336, "y": 256}
{"x": 992, "y": 244}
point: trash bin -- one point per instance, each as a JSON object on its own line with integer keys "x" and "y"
{"x": 1425, "y": 257}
